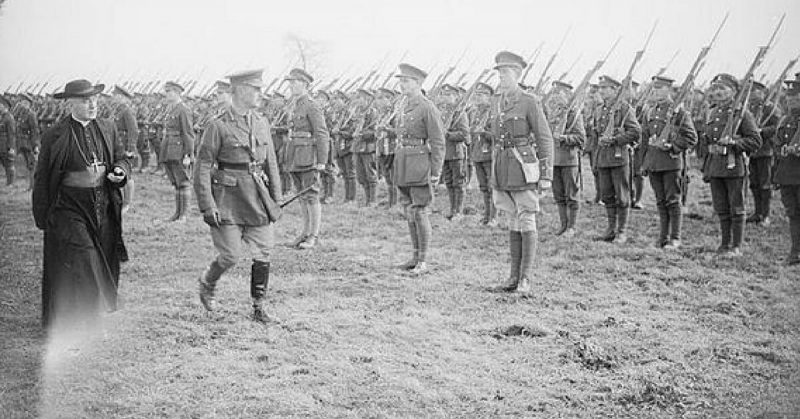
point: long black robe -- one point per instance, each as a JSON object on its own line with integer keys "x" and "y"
{"x": 83, "y": 244}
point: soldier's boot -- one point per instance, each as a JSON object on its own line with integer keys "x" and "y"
{"x": 11, "y": 173}
{"x": 766, "y": 201}
{"x": 207, "y": 283}
{"x": 487, "y": 208}
{"x": 755, "y": 217}
{"x": 737, "y": 234}
{"x": 175, "y": 215}
{"x": 451, "y": 200}
{"x": 372, "y": 191}
{"x": 622, "y": 222}
{"x": 725, "y": 234}
{"x": 611, "y": 229}
{"x": 259, "y": 280}
{"x": 424, "y": 237}
{"x": 306, "y": 222}
{"x": 458, "y": 209}
{"x": 315, "y": 219}
{"x": 663, "y": 223}
{"x": 392, "y": 196}
{"x": 529, "y": 243}
{"x": 572, "y": 217}
{"x": 515, "y": 250}
{"x": 351, "y": 197}
{"x": 638, "y": 185}
{"x": 184, "y": 198}
{"x": 412, "y": 229}
{"x": 675, "y": 221}
{"x": 562, "y": 217}
{"x": 794, "y": 253}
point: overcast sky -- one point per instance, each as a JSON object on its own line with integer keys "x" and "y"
{"x": 113, "y": 40}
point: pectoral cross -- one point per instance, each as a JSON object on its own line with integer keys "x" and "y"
{"x": 95, "y": 165}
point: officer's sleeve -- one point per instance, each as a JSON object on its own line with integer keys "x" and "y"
{"x": 749, "y": 139}
{"x": 687, "y": 135}
{"x": 186, "y": 131}
{"x": 460, "y": 132}
{"x": 206, "y": 157}
{"x": 271, "y": 167}
{"x": 631, "y": 130}
{"x": 435, "y": 133}
{"x": 319, "y": 131}
{"x": 576, "y": 136}
{"x": 543, "y": 137}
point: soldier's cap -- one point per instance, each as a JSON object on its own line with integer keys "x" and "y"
{"x": 461, "y": 89}
{"x": 122, "y": 91}
{"x": 173, "y": 85}
{"x": 484, "y": 88}
{"x": 661, "y": 81}
{"x": 449, "y": 88}
{"x": 299, "y": 74}
{"x": 250, "y": 78}
{"x": 387, "y": 92}
{"x": 408, "y": 71}
{"x": 759, "y": 85}
{"x": 323, "y": 93}
{"x": 79, "y": 88}
{"x": 634, "y": 83}
{"x": 277, "y": 95}
{"x": 727, "y": 80}
{"x": 562, "y": 85}
{"x": 222, "y": 86}
{"x": 605, "y": 81}
{"x": 366, "y": 93}
{"x": 5, "y": 101}
{"x": 509, "y": 59}
{"x": 792, "y": 87}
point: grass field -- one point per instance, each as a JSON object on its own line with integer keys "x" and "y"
{"x": 610, "y": 331}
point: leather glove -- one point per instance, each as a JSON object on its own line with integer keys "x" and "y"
{"x": 211, "y": 217}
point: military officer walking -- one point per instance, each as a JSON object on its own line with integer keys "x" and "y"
{"x": 239, "y": 144}
{"x": 523, "y": 165}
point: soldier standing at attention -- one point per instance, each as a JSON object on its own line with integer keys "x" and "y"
{"x": 417, "y": 161}
{"x": 662, "y": 160}
{"x": 456, "y": 137}
{"x": 767, "y": 116}
{"x": 386, "y": 134}
{"x": 569, "y": 137}
{"x": 613, "y": 165}
{"x": 306, "y": 154}
{"x": 128, "y": 132}
{"x": 523, "y": 159}
{"x": 364, "y": 145}
{"x": 177, "y": 148}
{"x": 727, "y": 181}
{"x": 8, "y": 140}
{"x": 327, "y": 176}
{"x": 239, "y": 143}
{"x": 29, "y": 138}
{"x": 787, "y": 169}
{"x": 481, "y": 153}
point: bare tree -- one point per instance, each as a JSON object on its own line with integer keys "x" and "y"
{"x": 308, "y": 54}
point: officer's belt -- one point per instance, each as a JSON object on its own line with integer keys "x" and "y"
{"x": 250, "y": 167}
{"x": 301, "y": 134}
{"x": 85, "y": 178}
{"x": 716, "y": 149}
{"x": 412, "y": 142}
{"x": 514, "y": 142}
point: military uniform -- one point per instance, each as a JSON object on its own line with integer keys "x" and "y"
{"x": 523, "y": 157}
{"x": 787, "y": 169}
{"x": 386, "y": 144}
{"x": 345, "y": 160}
{"x": 364, "y": 151}
{"x": 613, "y": 161}
{"x": 481, "y": 153}
{"x": 454, "y": 171}
{"x": 307, "y": 149}
{"x": 128, "y": 130}
{"x": 235, "y": 156}
{"x": 767, "y": 116}
{"x": 664, "y": 162}
{"x": 178, "y": 144}
{"x": 8, "y": 141}
{"x": 724, "y": 167}
{"x": 29, "y": 139}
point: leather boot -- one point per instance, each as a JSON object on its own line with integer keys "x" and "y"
{"x": 392, "y": 196}
{"x": 459, "y": 206}
{"x": 259, "y": 280}
{"x": 350, "y": 190}
{"x": 177, "y": 212}
{"x": 315, "y": 219}
{"x": 675, "y": 221}
{"x": 487, "y": 208}
{"x": 725, "y": 233}
{"x": 663, "y": 222}
{"x": 208, "y": 282}
{"x": 184, "y": 198}
{"x": 611, "y": 230}
{"x": 529, "y": 243}
{"x": 622, "y": 221}
{"x": 412, "y": 230}
{"x": 562, "y": 216}
{"x": 755, "y": 217}
{"x": 737, "y": 233}
{"x": 572, "y": 217}
{"x": 424, "y": 237}
{"x": 515, "y": 249}
{"x": 638, "y": 185}
{"x": 766, "y": 201}
{"x": 794, "y": 253}
{"x": 371, "y": 198}
{"x": 451, "y": 200}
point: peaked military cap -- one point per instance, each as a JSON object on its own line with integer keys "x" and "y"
{"x": 122, "y": 91}
{"x": 484, "y": 88}
{"x": 300, "y": 74}
{"x": 366, "y": 92}
{"x": 792, "y": 87}
{"x": 80, "y": 88}
{"x": 759, "y": 85}
{"x": 173, "y": 85}
{"x": 608, "y": 81}
{"x": 659, "y": 81}
{"x": 509, "y": 59}
{"x": 634, "y": 83}
{"x": 323, "y": 93}
{"x": 408, "y": 71}
{"x": 727, "y": 80}
{"x": 449, "y": 88}
{"x": 387, "y": 92}
{"x": 250, "y": 78}
{"x": 222, "y": 86}
{"x": 562, "y": 85}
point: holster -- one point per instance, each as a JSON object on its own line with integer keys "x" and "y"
{"x": 274, "y": 211}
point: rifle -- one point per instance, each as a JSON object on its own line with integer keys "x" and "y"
{"x": 737, "y": 111}
{"x": 461, "y": 105}
{"x": 649, "y": 88}
{"x": 775, "y": 89}
{"x": 579, "y": 97}
{"x": 531, "y": 61}
{"x": 538, "y": 89}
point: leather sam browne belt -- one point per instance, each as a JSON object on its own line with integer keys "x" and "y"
{"x": 88, "y": 178}
{"x": 513, "y": 142}
{"x": 250, "y": 167}
{"x": 301, "y": 134}
{"x": 412, "y": 142}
